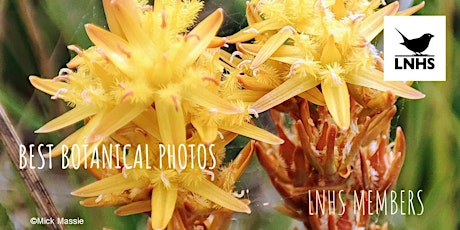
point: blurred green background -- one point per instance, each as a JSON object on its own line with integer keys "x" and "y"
{"x": 33, "y": 40}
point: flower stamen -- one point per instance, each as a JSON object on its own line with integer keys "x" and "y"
{"x": 209, "y": 173}
{"x": 245, "y": 62}
{"x": 163, "y": 19}
{"x": 141, "y": 131}
{"x": 122, "y": 85}
{"x": 211, "y": 79}
{"x": 62, "y": 78}
{"x": 356, "y": 17}
{"x": 221, "y": 136}
{"x": 76, "y": 49}
{"x": 85, "y": 96}
{"x": 124, "y": 171}
{"x": 290, "y": 28}
{"x": 99, "y": 198}
{"x": 254, "y": 71}
{"x": 103, "y": 54}
{"x": 293, "y": 66}
{"x": 146, "y": 8}
{"x": 234, "y": 54}
{"x": 124, "y": 51}
{"x": 252, "y": 30}
{"x": 65, "y": 71}
{"x": 59, "y": 92}
{"x": 336, "y": 78}
{"x": 253, "y": 112}
{"x": 176, "y": 102}
{"x": 192, "y": 36}
{"x": 165, "y": 180}
{"x": 127, "y": 94}
{"x": 239, "y": 195}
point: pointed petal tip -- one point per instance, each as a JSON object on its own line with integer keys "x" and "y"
{"x": 34, "y": 79}
{"x": 76, "y": 193}
{"x": 43, "y": 129}
{"x": 413, "y": 94}
{"x": 39, "y": 131}
{"x": 217, "y": 16}
{"x": 89, "y": 26}
{"x": 278, "y": 142}
{"x": 421, "y": 95}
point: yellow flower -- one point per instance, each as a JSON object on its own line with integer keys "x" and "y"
{"x": 147, "y": 70}
{"x": 324, "y": 43}
{"x": 204, "y": 190}
{"x": 146, "y": 82}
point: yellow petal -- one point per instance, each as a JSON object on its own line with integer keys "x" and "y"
{"x": 73, "y": 116}
{"x": 170, "y": 119}
{"x": 49, "y": 86}
{"x": 209, "y": 100}
{"x": 129, "y": 20}
{"x": 252, "y": 31}
{"x": 239, "y": 165}
{"x": 254, "y": 132}
{"x": 251, "y": 83}
{"x": 112, "y": 21}
{"x": 68, "y": 141}
{"x": 148, "y": 121}
{"x": 337, "y": 100}
{"x": 371, "y": 26}
{"x": 88, "y": 128}
{"x": 374, "y": 79}
{"x": 339, "y": 9}
{"x": 82, "y": 156}
{"x": 251, "y": 14}
{"x": 330, "y": 52}
{"x": 115, "y": 48}
{"x": 84, "y": 153}
{"x": 134, "y": 208}
{"x": 288, "y": 89}
{"x": 285, "y": 53}
{"x": 116, "y": 118}
{"x": 209, "y": 191}
{"x": 206, "y": 130}
{"x": 217, "y": 42}
{"x": 272, "y": 44}
{"x": 115, "y": 183}
{"x": 248, "y": 96}
{"x": 163, "y": 204}
{"x": 228, "y": 137}
{"x": 313, "y": 95}
{"x": 412, "y": 10}
{"x": 204, "y": 32}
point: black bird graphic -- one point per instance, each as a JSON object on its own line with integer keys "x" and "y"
{"x": 416, "y": 45}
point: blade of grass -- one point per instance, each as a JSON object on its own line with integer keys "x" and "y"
{"x": 36, "y": 188}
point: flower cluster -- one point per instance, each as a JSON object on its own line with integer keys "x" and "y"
{"x": 149, "y": 81}
{"x": 317, "y": 73}
{"x": 317, "y": 156}
{"x": 315, "y": 43}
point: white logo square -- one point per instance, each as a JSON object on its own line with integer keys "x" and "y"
{"x": 415, "y": 48}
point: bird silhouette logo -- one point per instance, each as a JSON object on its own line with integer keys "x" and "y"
{"x": 417, "y": 45}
